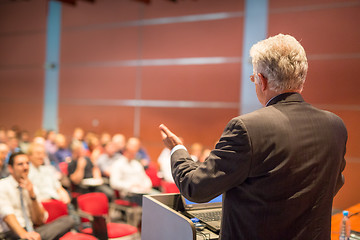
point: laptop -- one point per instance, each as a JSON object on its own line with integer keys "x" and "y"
{"x": 208, "y": 213}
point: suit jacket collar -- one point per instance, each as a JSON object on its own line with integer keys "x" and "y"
{"x": 286, "y": 97}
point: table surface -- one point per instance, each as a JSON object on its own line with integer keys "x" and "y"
{"x": 354, "y": 221}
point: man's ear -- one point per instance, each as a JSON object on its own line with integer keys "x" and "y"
{"x": 263, "y": 82}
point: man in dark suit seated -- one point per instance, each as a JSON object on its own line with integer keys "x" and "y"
{"x": 279, "y": 167}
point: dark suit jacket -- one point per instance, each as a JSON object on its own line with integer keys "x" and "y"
{"x": 279, "y": 168}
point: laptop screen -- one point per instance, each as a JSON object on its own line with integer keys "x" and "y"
{"x": 189, "y": 205}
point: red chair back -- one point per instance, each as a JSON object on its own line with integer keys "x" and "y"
{"x": 64, "y": 168}
{"x": 93, "y": 203}
{"x": 151, "y": 171}
{"x": 169, "y": 187}
{"x": 55, "y": 208}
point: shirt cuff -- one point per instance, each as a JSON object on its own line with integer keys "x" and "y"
{"x": 177, "y": 147}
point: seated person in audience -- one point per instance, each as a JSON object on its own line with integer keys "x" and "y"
{"x": 205, "y": 153}
{"x": 50, "y": 142}
{"x": 119, "y": 140}
{"x": 94, "y": 145}
{"x": 196, "y": 151}
{"x": 105, "y": 138}
{"x": 128, "y": 175}
{"x": 24, "y": 141}
{"x": 84, "y": 175}
{"x": 79, "y": 136}
{"x": 107, "y": 159}
{"x": 21, "y": 213}
{"x": 63, "y": 154}
{"x": 13, "y": 144}
{"x": 141, "y": 154}
{"x": 165, "y": 167}
{"x": 41, "y": 141}
{"x": 44, "y": 177}
{"x": 4, "y": 150}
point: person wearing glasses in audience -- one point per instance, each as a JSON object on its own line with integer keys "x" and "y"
{"x": 278, "y": 167}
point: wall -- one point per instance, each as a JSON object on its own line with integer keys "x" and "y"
{"x": 127, "y": 67}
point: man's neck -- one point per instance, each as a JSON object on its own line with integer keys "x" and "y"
{"x": 272, "y": 94}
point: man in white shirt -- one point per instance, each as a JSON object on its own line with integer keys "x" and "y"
{"x": 107, "y": 159}
{"x": 21, "y": 211}
{"x": 43, "y": 176}
{"x": 128, "y": 176}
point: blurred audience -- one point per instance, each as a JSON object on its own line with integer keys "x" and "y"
{"x": 94, "y": 145}
{"x": 196, "y": 151}
{"x": 84, "y": 175}
{"x": 105, "y": 138}
{"x": 128, "y": 175}
{"x": 4, "y": 150}
{"x": 205, "y": 153}
{"x": 24, "y": 141}
{"x": 165, "y": 165}
{"x": 44, "y": 176}
{"x": 119, "y": 140}
{"x": 63, "y": 154}
{"x": 78, "y": 135}
{"x": 22, "y": 214}
{"x": 107, "y": 159}
{"x": 141, "y": 155}
{"x": 13, "y": 144}
{"x": 50, "y": 142}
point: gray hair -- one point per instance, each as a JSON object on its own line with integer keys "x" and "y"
{"x": 282, "y": 60}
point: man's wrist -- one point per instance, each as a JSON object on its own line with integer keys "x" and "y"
{"x": 177, "y": 147}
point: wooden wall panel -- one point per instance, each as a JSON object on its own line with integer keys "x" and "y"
{"x": 97, "y": 83}
{"x": 183, "y": 8}
{"x": 24, "y": 113}
{"x": 100, "y": 12}
{"x": 98, "y": 119}
{"x": 194, "y": 39}
{"x": 99, "y": 45}
{"x": 331, "y": 81}
{"x": 219, "y": 82}
{"x": 321, "y": 31}
{"x": 23, "y": 16}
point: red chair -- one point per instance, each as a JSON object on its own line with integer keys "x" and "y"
{"x": 169, "y": 187}
{"x": 151, "y": 171}
{"x": 57, "y": 209}
{"x": 64, "y": 168}
{"x": 130, "y": 211}
{"x": 95, "y": 207}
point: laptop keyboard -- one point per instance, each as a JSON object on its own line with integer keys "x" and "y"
{"x": 208, "y": 216}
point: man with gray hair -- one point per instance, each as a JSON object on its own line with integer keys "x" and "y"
{"x": 279, "y": 167}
